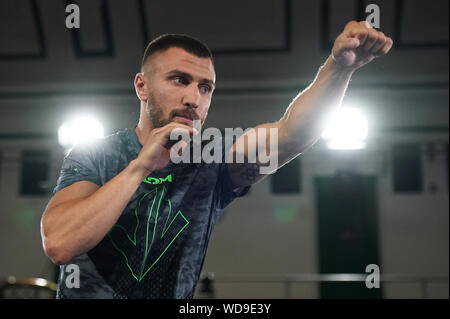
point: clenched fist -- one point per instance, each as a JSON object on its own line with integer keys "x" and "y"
{"x": 359, "y": 44}
{"x": 155, "y": 152}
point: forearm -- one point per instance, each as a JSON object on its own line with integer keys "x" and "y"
{"x": 74, "y": 227}
{"x": 303, "y": 121}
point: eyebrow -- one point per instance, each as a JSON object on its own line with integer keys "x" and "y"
{"x": 189, "y": 77}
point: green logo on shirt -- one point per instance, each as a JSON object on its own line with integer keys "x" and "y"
{"x": 157, "y": 180}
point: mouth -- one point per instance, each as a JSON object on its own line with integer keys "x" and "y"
{"x": 184, "y": 118}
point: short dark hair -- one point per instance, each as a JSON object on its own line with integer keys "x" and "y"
{"x": 167, "y": 41}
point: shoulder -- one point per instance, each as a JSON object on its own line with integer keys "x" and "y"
{"x": 100, "y": 146}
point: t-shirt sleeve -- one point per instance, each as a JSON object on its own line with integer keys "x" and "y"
{"x": 78, "y": 165}
{"x": 224, "y": 189}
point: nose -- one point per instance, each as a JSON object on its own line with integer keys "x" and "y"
{"x": 191, "y": 97}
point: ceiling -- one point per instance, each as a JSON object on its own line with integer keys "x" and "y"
{"x": 256, "y": 43}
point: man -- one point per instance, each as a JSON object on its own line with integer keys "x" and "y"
{"x": 136, "y": 224}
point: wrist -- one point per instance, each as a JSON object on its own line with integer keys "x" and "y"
{"x": 337, "y": 68}
{"x": 138, "y": 169}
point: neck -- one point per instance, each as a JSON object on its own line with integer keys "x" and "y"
{"x": 144, "y": 127}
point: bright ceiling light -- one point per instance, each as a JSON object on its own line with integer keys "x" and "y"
{"x": 346, "y": 129}
{"x": 79, "y": 130}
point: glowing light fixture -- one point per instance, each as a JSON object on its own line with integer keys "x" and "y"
{"x": 79, "y": 130}
{"x": 346, "y": 129}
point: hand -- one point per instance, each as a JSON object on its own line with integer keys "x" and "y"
{"x": 359, "y": 44}
{"x": 155, "y": 153}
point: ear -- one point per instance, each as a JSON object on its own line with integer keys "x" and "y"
{"x": 140, "y": 85}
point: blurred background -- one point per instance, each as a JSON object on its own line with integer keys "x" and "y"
{"x": 308, "y": 231}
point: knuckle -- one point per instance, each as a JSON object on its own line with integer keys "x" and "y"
{"x": 351, "y": 23}
{"x": 364, "y": 32}
{"x": 378, "y": 38}
{"x": 365, "y": 24}
{"x": 372, "y": 35}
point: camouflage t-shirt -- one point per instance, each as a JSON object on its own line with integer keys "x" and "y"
{"x": 158, "y": 245}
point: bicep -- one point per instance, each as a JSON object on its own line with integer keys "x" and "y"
{"x": 259, "y": 152}
{"x": 254, "y": 155}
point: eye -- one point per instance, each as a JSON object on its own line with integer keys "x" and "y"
{"x": 205, "y": 88}
{"x": 180, "y": 80}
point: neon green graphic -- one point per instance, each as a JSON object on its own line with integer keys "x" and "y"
{"x": 157, "y": 181}
{"x": 151, "y": 234}
{"x": 76, "y": 169}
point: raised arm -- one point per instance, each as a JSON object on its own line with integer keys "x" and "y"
{"x": 303, "y": 122}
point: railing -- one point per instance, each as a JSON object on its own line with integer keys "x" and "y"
{"x": 208, "y": 280}
{"x": 27, "y": 288}
{"x": 289, "y": 279}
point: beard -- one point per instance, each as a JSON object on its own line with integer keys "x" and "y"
{"x": 155, "y": 113}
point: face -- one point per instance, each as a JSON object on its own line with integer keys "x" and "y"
{"x": 176, "y": 87}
